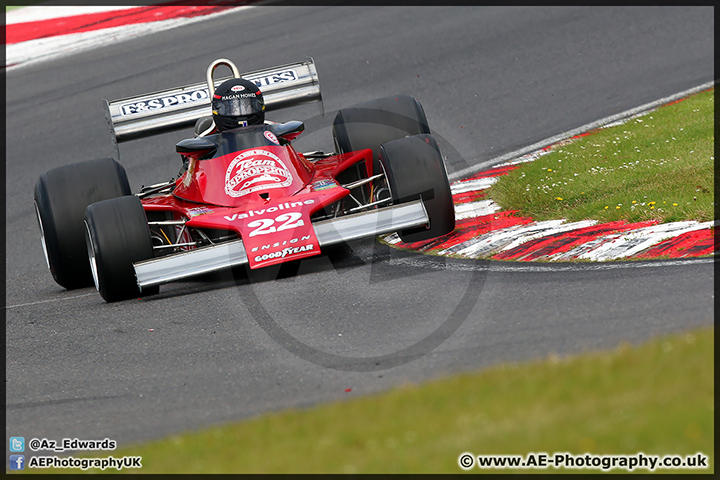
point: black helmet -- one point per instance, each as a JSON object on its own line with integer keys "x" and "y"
{"x": 237, "y": 103}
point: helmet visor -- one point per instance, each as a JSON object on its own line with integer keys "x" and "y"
{"x": 238, "y": 106}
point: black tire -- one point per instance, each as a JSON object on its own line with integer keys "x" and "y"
{"x": 370, "y": 124}
{"x": 116, "y": 235}
{"x": 415, "y": 169}
{"x": 61, "y": 197}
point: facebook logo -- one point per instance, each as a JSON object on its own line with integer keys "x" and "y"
{"x": 17, "y": 462}
{"x": 17, "y": 444}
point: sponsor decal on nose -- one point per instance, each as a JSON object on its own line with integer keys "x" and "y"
{"x": 256, "y": 170}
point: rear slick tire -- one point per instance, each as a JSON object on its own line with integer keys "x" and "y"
{"x": 372, "y": 123}
{"x": 61, "y": 197}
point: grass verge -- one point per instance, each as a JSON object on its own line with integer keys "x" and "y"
{"x": 27, "y": 4}
{"x": 658, "y": 166}
{"x": 656, "y": 398}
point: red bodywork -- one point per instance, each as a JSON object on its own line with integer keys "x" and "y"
{"x": 264, "y": 194}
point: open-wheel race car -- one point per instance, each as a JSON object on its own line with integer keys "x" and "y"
{"x": 244, "y": 195}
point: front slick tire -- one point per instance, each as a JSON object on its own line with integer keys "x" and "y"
{"x": 414, "y": 169}
{"x": 116, "y": 235}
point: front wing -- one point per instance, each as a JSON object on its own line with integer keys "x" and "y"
{"x": 183, "y": 265}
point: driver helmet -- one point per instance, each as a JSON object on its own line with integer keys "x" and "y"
{"x": 237, "y": 103}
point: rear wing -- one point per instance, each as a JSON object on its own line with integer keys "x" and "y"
{"x": 175, "y": 108}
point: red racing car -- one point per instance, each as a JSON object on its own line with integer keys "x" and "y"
{"x": 245, "y": 196}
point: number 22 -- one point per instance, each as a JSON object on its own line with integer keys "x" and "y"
{"x": 264, "y": 226}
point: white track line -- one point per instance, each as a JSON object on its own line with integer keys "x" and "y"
{"x": 465, "y": 172}
{"x": 48, "y": 301}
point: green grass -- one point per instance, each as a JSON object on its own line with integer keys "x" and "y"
{"x": 658, "y": 166}
{"x": 656, "y": 398}
{"x": 27, "y": 4}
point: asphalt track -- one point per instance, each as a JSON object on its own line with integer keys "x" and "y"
{"x": 225, "y": 347}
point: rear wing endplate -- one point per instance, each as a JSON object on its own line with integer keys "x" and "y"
{"x": 172, "y": 109}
